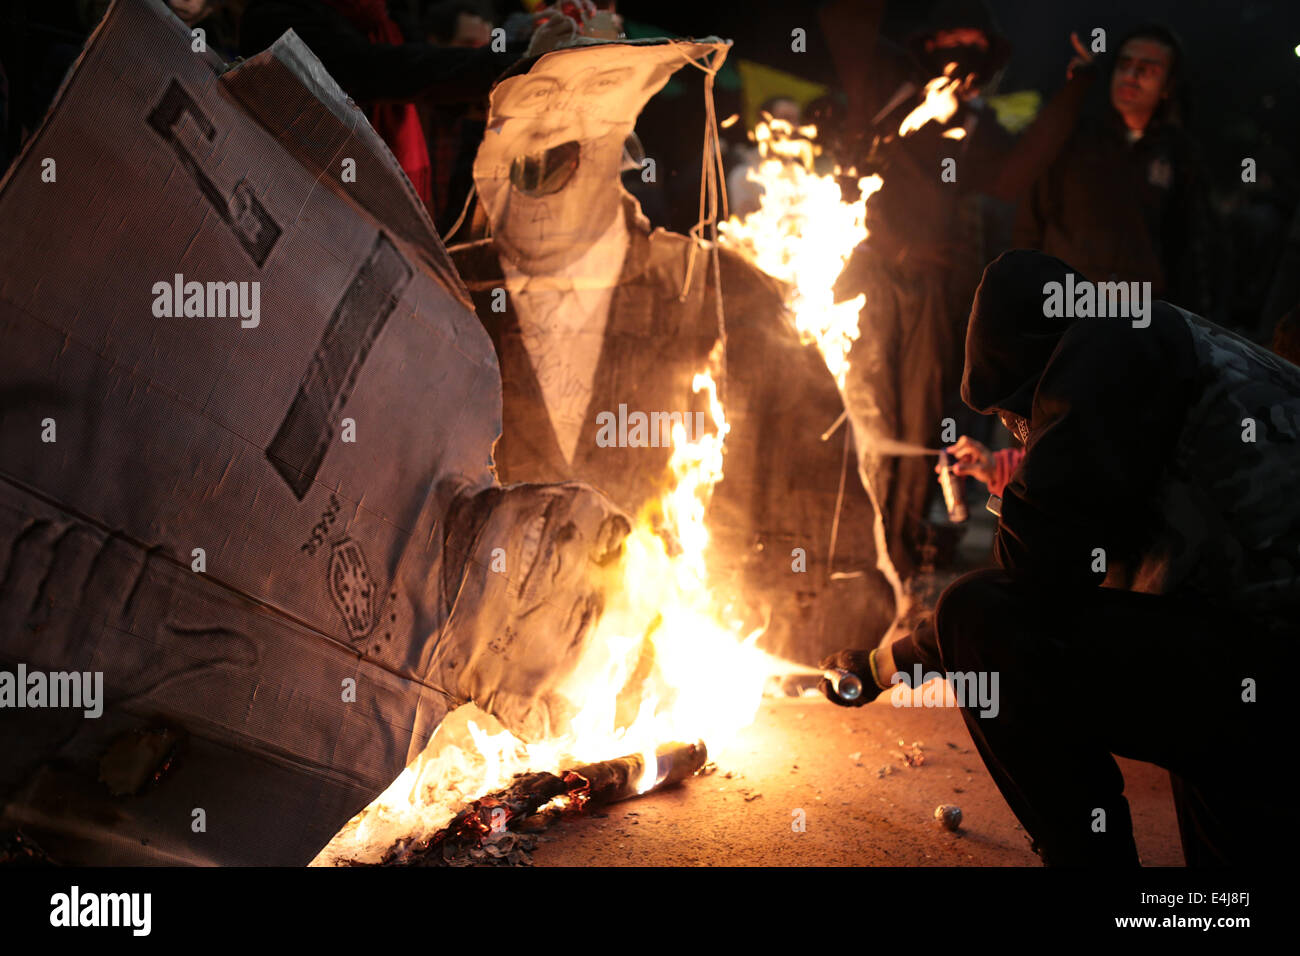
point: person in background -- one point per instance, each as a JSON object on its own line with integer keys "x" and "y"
{"x": 903, "y": 369}
{"x": 219, "y": 22}
{"x": 453, "y": 130}
{"x": 743, "y": 195}
{"x": 364, "y": 51}
{"x": 1127, "y": 198}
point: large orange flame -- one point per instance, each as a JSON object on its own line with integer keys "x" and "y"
{"x": 665, "y": 635}
{"x": 803, "y": 234}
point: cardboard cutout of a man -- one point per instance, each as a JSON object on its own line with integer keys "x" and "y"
{"x": 596, "y": 319}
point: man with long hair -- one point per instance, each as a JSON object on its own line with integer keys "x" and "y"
{"x": 1127, "y": 197}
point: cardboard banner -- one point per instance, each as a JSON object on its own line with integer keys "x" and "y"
{"x": 242, "y": 387}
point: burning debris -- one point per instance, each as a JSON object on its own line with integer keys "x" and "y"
{"x": 914, "y": 755}
{"x": 17, "y": 849}
{"x": 497, "y": 828}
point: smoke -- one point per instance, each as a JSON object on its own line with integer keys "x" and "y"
{"x": 887, "y": 446}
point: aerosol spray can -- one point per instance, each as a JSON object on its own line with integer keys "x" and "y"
{"x": 952, "y": 496}
{"x": 845, "y": 683}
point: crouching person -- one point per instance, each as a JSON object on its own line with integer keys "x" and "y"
{"x": 1148, "y": 552}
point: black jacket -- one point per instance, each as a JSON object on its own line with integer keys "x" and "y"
{"x": 1129, "y": 211}
{"x": 1136, "y": 446}
{"x": 373, "y": 72}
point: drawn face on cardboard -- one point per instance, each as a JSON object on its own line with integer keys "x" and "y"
{"x": 548, "y": 169}
{"x": 542, "y": 562}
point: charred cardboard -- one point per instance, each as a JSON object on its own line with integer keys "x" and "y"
{"x": 225, "y": 688}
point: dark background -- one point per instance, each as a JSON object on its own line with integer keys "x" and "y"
{"x": 1242, "y": 93}
{"x": 1244, "y": 75}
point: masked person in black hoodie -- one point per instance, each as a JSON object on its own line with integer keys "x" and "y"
{"x": 1148, "y": 552}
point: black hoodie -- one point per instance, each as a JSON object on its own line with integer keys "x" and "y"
{"x": 1105, "y": 402}
{"x": 1110, "y": 452}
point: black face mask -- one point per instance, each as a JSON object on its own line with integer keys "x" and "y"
{"x": 1016, "y": 425}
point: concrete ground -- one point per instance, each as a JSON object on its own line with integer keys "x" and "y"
{"x": 861, "y": 803}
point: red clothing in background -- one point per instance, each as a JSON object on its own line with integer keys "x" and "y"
{"x": 397, "y": 123}
{"x": 1005, "y": 462}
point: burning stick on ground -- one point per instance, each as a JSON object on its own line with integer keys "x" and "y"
{"x": 517, "y": 806}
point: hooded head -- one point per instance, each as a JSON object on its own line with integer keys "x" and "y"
{"x": 1009, "y": 338}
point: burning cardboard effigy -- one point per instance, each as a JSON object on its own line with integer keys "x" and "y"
{"x": 289, "y": 579}
{"x": 601, "y": 325}
{"x": 284, "y": 576}
{"x": 593, "y": 314}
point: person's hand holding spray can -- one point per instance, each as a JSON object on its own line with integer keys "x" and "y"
{"x": 951, "y": 483}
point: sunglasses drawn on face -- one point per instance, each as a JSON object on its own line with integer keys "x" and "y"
{"x": 589, "y": 105}
{"x": 601, "y": 95}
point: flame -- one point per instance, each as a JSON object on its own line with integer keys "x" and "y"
{"x": 803, "y": 235}
{"x": 668, "y": 638}
{"x": 665, "y": 638}
{"x": 940, "y": 103}
{"x": 804, "y": 231}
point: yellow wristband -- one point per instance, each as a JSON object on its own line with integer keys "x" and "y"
{"x": 875, "y": 675}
